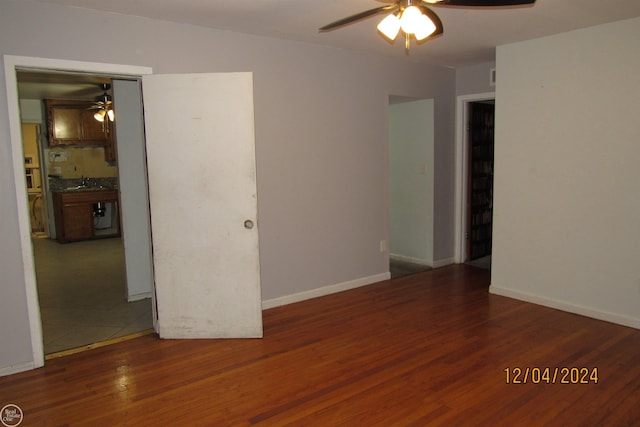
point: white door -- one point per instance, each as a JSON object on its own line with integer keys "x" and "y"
{"x": 134, "y": 197}
{"x": 203, "y": 202}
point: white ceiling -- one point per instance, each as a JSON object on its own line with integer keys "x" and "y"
{"x": 470, "y": 34}
{"x": 43, "y": 85}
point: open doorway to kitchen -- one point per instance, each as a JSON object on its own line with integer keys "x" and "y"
{"x": 80, "y": 263}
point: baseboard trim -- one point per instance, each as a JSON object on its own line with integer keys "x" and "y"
{"x": 403, "y": 258}
{"x": 434, "y": 264}
{"x": 325, "y": 290}
{"x": 444, "y": 262}
{"x": 14, "y": 369}
{"x": 619, "y": 319}
{"x": 138, "y": 297}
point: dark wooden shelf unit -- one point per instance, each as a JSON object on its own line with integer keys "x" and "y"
{"x": 481, "y": 180}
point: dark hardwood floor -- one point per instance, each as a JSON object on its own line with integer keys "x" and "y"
{"x": 427, "y": 349}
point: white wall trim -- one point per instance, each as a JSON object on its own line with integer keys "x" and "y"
{"x": 138, "y": 297}
{"x": 14, "y": 369}
{"x": 443, "y": 262}
{"x": 566, "y": 306}
{"x": 11, "y": 65}
{"x": 461, "y": 170}
{"x": 325, "y": 290}
{"x": 412, "y": 260}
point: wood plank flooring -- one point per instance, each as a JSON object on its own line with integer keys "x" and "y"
{"x": 426, "y": 349}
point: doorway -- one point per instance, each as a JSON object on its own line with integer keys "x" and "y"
{"x": 411, "y": 185}
{"x": 474, "y": 179}
{"x": 81, "y": 282}
{"x": 480, "y": 176}
{"x": 13, "y": 65}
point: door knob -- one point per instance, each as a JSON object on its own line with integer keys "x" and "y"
{"x": 248, "y": 224}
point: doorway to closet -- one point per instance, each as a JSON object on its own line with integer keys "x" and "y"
{"x": 479, "y": 198}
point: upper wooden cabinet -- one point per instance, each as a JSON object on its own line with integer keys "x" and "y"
{"x": 64, "y": 125}
{"x": 71, "y": 122}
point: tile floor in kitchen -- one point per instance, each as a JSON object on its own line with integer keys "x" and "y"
{"x": 81, "y": 288}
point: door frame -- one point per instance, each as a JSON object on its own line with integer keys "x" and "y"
{"x": 13, "y": 64}
{"x": 462, "y": 169}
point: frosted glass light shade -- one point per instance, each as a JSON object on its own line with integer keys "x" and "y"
{"x": 102, "y": 114}
{"x": 389, "y": 26}
{"x": 425, "y": 28}
{"x": 411, "y": 19}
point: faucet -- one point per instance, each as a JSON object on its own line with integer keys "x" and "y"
{"x": 87, "y": 182}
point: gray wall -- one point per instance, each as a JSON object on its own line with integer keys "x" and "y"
{"x": 567, "y": 180}
{"x": 474, "y": 79}
{"x": 321, "y": 142}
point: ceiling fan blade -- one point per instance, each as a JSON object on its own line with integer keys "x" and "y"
{"x": 358, "y": 16}
{"x": 479, "y": 3}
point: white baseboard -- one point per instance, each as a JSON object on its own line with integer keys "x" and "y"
{"x": 325, "y": 290}
{"x": 443, "y": 262}
{"x": 434, "y": 264}
{"x": 567, "y": 306}
{"x": 403, "y": 258}
{"x": 9, "y": 370}
{"x": 138, "y": 297}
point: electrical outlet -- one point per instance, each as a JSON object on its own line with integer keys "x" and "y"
{"x": 383, "y": 246}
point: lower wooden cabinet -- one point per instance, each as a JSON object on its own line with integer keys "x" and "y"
{"x": 77, "y": 214}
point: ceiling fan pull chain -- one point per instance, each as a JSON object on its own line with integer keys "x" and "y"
{"x": 407, "y": 43}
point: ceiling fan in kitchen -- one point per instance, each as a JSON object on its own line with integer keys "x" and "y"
{"x": 104, "y": 105}
{"x": 415, "y": 18}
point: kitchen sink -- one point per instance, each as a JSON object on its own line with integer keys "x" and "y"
{"x": 85, "y": 188}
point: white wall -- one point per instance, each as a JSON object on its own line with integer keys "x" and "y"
{"x": 411, "y": 181}
{"x": 31, "y": 111}
{"x": 567, "y": 178}
{"x": 321, "y": 142}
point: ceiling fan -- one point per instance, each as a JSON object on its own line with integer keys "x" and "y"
{"x": 104, "y": 105}
{"x": 415, "y": 18}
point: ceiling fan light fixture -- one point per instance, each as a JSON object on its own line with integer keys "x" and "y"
{"x": 390, "y": 27}
{"x": 111, "y": 115}
{"x": 416, "y": 18}
{"x": 425, "y": 29}
{"x": 99, "y": 116}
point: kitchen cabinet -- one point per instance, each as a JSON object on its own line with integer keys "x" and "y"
{"x": 74, "y": 214}
{"x": 71, "y": 123}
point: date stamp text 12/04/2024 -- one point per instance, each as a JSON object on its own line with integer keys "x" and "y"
{"x": 565, "y": 375}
